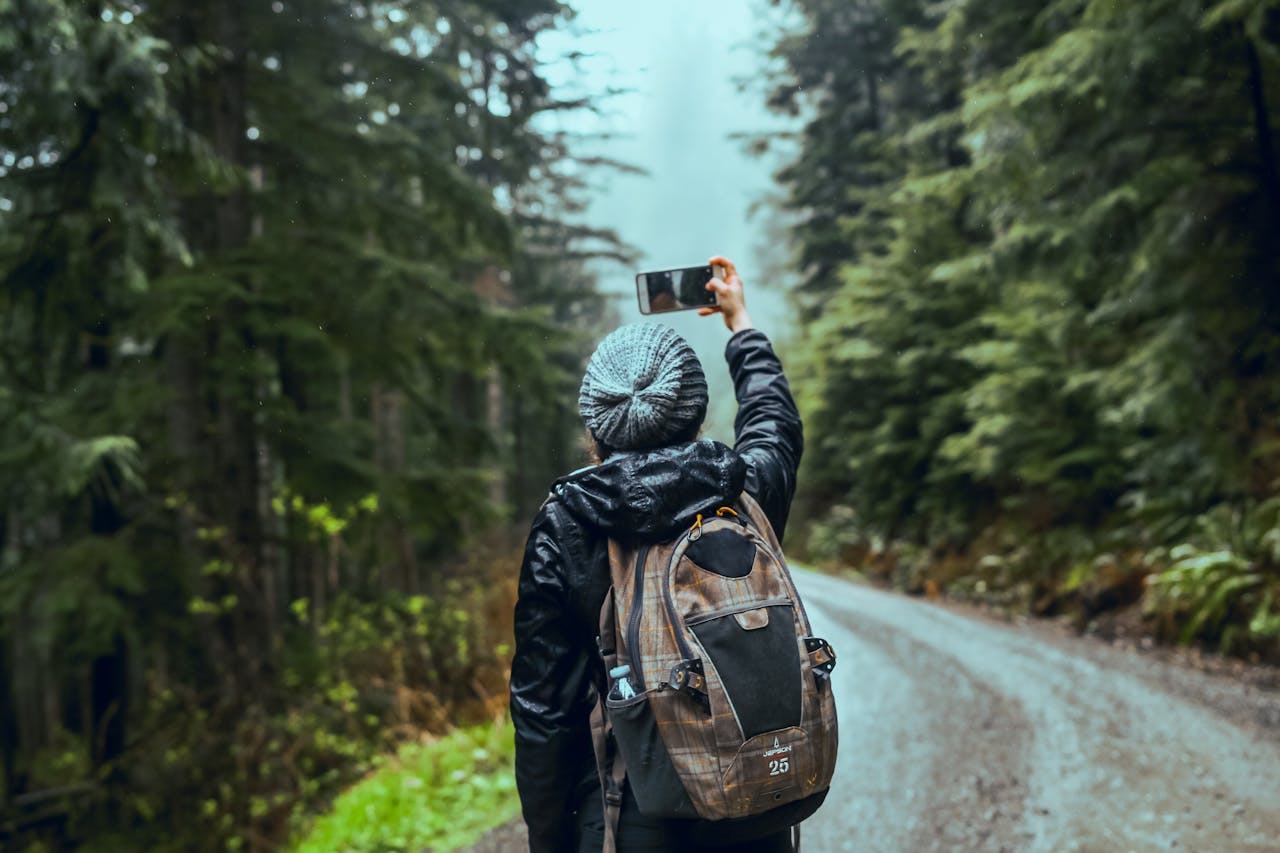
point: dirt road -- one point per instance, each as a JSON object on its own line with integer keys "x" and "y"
{"x": 959, "y": 733}
{"x": 962, "y": 733}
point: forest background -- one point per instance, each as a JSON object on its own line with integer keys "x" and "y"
{"x": 297, "y": 295}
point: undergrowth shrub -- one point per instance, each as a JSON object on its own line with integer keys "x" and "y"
{"x": 1223, "y": 586}
{"x": 354, "y": 682}
{"x": 1215, "y": 580}
{"x": 433, "y": 794}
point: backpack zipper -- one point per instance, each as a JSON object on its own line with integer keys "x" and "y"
{"x": 686, "y": 651}
{"x": 668, "y": 600}
{"x": 633, "y": 620}
{"x": 785, "y": 570}
{"x": 741, "y": 608}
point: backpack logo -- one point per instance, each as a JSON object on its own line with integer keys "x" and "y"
{"x": 777, "y": 749}
{"x": 778, "y": 766}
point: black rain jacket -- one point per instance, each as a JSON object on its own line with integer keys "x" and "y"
{"x": 635, "y": 497}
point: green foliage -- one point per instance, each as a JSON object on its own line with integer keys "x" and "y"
{"x": 1037, "y": 241}
{"x": 438, "y": 795}
{"x": 837, "y": 538}
{"x": 1223, "y": 587}
{"x": 358, "y": 680}
{"x": 288, "y": 293}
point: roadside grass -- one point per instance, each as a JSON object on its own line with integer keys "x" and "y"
{"x": 439, "y": 795}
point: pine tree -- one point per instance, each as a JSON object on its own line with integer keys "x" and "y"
{"x": 286, "y": 292}
{"x": 1053, "y": 304}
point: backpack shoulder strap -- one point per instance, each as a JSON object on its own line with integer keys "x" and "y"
{"x": 611, "y": 769}
{"x": 758, "y": 519}
{"x": 612, "y": 778}
{"x": 609, "y": 764}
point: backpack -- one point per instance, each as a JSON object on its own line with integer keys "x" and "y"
{"x": 732, "y": 719}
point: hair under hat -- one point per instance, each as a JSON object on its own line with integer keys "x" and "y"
{"x": 644, "y": 386}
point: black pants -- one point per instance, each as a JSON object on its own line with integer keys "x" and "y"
{"x": 640, "y": 834}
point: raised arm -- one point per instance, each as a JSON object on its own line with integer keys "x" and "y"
{"x": 767, "y": 429}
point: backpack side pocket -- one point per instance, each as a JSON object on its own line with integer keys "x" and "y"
{"x": 650, "y": 773}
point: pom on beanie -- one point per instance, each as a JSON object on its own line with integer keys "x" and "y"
{"x": 644, "y": 385}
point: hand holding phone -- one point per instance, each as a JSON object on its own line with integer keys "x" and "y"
{"x": 730, "y": 301}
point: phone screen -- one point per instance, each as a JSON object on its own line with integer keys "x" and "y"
{"x": 674, "y": 290}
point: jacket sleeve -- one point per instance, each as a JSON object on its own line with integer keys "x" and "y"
{"x": 550, "y": 679}
{"x": 767, "y": 430}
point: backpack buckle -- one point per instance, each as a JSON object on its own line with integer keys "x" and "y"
{"x": 822, "y": 658}
{"x": 687, "y": 677}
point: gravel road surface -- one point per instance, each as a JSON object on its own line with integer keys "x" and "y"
{"x": 959, "y": 732}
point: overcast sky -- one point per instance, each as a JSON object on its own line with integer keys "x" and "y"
{"x": 681, "y": 61}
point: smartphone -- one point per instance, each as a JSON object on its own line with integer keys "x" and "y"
{"x": 675, "y": 290}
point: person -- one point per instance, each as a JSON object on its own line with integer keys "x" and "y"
{"x": 643, "y": 400}
{"x": 662, "y": 294}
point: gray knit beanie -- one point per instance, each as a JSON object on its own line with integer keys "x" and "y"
{"x": 644, "y": 385}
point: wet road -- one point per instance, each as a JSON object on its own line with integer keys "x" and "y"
{"x": 959, "y": 733}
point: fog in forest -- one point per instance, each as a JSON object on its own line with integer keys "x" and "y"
{"x": 681, "y": 67}
{"x": 297, "y": 300}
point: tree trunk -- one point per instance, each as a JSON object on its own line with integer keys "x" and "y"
{"x": 387, "y": 411}
{"x": 218, "y": 223}
{"x": 1270, "y": 170}
{"x": 498, "y": 493}
{"x": 8, "y": 727}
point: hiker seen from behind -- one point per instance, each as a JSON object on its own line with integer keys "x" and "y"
{"x": 666, "y": 689}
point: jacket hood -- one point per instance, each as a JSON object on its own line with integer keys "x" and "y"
{"x": 649, "y": 495}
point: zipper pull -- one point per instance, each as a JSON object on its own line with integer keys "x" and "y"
{"x": 728, "y": 510}
{"x": 696, "y": 531}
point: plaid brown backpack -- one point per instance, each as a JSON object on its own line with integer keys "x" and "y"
{"x": 728, "y": 713}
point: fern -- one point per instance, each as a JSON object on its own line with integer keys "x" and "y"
{"x": 1224, "y": 586}
{"x": 108, "y": 464}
